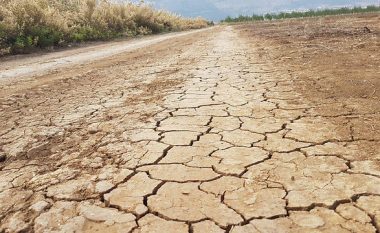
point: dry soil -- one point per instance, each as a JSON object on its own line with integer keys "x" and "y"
{"x": 265, "y": 127}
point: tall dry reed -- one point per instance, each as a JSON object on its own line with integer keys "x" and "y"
{"x": 28, "y": 24}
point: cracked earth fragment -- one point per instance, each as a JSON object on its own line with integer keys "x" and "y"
{"x": 185, "y": 202}
{"x": 257, "y": 201}
{"x": 129, "y": 196}
{"x": 236, "y": 159}
{"x": 153, "y": 224}
{"x": 84, "y": 217}
{"x": 179, "y": 172}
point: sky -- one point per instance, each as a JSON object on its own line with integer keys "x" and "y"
{"x": 219, "y": 9}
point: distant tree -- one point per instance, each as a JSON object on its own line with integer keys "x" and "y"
{"x": 268, "y": 16}
{"x": 309, "y": 13}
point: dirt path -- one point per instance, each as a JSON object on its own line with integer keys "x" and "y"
{"x": 197, "y": 134}
{"x": 26, "y": 66}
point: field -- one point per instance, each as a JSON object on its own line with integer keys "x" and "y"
{"x": 336, "y": 57}
{"x": 269, "y": 126}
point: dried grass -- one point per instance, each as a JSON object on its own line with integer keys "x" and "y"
{"x": 27, "y": 24}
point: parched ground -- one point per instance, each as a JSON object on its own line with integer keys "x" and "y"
{"x": 267, "y": 127}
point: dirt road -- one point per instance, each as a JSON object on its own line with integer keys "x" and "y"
{"x": 45, "y": 63}
{"x": 234, "y": 129}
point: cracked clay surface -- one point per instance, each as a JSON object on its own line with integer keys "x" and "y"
{"x": 196, "y": 134}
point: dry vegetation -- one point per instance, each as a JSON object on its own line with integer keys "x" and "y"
{"x": 28, "y": 24}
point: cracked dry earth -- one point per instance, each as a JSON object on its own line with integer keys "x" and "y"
{"x": 195, "y": 134}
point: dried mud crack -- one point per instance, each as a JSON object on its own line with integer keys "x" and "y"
{"x": 232, "y": 129}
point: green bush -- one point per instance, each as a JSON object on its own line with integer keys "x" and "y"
{"x": 22, "y": 44}
{"x": 45, "y": 37}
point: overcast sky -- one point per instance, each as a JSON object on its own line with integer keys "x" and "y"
{"x": 219, "y": 9}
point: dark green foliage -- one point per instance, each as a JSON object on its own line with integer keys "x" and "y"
{"x": 297, "y": 14}
{"x": 38, "y": 36}
{"x": 87, "y": 33}
{"x": 43, "y": 37}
